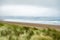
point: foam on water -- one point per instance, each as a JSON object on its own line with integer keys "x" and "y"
{"x": 38, "y": 22}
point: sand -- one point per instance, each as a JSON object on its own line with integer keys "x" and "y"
{"x": 40, "y": 26}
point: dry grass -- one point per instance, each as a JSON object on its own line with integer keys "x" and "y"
{"x": 22, "y": 31}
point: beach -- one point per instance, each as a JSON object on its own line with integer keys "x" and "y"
{"x": 30, "y": 24}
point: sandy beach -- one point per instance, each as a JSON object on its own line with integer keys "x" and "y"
{"x": 41, "y": 26}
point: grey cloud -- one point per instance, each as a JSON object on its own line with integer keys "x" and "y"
{"x": 44, "y": 3}
{"x": 32, "y": 2}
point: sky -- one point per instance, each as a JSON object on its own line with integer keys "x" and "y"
{"x": 41, "y": 8}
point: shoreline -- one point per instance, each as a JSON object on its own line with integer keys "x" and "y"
{"x": 35, "y": 22}
{"x": 41, "y": 26}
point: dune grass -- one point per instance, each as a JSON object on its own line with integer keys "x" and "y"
{"x": 17, "y": 32}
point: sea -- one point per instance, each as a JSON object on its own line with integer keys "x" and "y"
{"x": 29, "y": 19}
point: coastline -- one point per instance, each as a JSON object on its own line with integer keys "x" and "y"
{"x": 41, "y": 26}
{"x": 32, "y": 21}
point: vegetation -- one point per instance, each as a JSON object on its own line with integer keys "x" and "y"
{"x": 17, "y": 32}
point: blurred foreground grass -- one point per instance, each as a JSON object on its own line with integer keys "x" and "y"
{"x": 17, "y": 32}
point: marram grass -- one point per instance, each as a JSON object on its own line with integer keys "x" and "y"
{"x": 16, "y": 32}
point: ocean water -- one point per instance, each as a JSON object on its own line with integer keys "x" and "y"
{"x": 38, "y": 20}
{"x": 32, "y": 18}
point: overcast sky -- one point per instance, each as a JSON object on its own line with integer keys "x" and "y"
{"x": 49, "y": 8}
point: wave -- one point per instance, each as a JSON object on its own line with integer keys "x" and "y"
{"x": 30, "y": 21}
